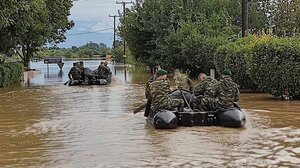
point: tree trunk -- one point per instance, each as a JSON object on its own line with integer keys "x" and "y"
{"x": 26, "y": 57}
{"x": 26, "y": 63}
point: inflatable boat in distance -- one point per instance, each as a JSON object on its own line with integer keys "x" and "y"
{"x": 91, "y": 78}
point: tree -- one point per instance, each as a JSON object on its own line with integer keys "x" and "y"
{"x": 286, "y": 17}
{"x": 162, "y": 31}
{"x": 281, "y": 18}
{"x": 142, "y": 29}
{"x": 7, "y": 9}
{"x": 33, "y": 24}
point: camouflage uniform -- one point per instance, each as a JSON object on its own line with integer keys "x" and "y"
{"x": 159, "y": 90}
{"x": 106, "y": 71}
{"x": 74, "y": 73}
{"x": 148, "y": 95}
{"x": 227, "y": 93}
{"x": 205, "y": 88}
{"x": 100, "y": 70}
{"x": 81, "y": 70}
{"x": 147, "y": 90}
{"x": 183, "y": 82}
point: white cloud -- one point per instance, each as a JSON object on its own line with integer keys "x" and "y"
{"x": 92, "y": 16}
{"x": 94, "y": 10}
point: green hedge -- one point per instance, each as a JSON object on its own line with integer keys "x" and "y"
{"x": 236, "y": 56}
{"x": 10, "y": 73}
{"x": 275, "y": 66}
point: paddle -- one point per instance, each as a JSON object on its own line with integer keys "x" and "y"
{"x": 236, "y": 106}
{"x": 184, "y": 98}
{"x": 140, "y": 108}
{"x": 148, "y": 108}
{"x": 66, "y": 82}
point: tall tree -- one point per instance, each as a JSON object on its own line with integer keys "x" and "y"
{"x": 162, "y": 31}
{"x": 33, "y": 24}
{"x": 286, "y": 17}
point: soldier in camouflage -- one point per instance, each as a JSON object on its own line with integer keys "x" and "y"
{"x": 148, "y": 95}
{"x": 106, "y": 70}
{"x": 100, "y": 70}
{"x": 81, "y": 68}
{"x": 227, "y": 92}
{"x": 159, "y": 90}
{"x": 182, "y": 81}
{"x": 74, "y": 72}
{"x": 147, "y": 90}
{"x": 205, "y": 88}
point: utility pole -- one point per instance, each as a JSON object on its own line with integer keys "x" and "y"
{"x": 137, "y": 3}
{"x": 114, "y": 42}
{"x": 245, "y": 7}
{"x": 124, "y": 7}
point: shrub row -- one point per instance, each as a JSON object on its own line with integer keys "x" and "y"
{"x": 10, "y": 73}
{"x": 275, "y": 66}
{"x": 236, "y": 57}
{"x": 265, "y": 63}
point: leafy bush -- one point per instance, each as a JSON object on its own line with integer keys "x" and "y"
{"x": 10, "y": 73}
{"x": 236, "y": 56}
{"x": 199, "y": 51}
{"x": 275, "y": 66}
{"x": 118, "y": 54}
{"x": 179, "y": 34}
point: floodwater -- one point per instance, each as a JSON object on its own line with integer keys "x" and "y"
{"x": 48, "y": 124}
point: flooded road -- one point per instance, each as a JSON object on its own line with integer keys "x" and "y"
{"x": 48, "y": 124}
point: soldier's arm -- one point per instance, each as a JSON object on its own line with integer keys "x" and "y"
{"x": 237, "y": 95}
{"x": 199, "y": 89}
{"x": 147, "y": 90}
{"x": 215, "y": 88}
{"x": 168, "y": 86}
{"x": 151, "y": 89}
{"x": 177, "y": 80}
{"x": 69, "y": 74}
{"x": 190, "y": 83}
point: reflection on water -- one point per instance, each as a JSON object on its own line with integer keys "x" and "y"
{"x": 52, "y": 125}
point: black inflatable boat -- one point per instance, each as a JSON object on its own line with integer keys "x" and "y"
{"x": 166, "y": 119}
{"x": 91, "y": 78}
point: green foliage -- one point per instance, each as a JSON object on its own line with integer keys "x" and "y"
{"x": 179, "y": 34}
{"x": 185, "y": 34}
{"x": 95, "y": 49}
{"x": 284, "y": 17}
{"x": 275, "y": 66}
{"x": 33, "y": 23}
{"x": 236, "y": 57}
{"x": 10, "y": 73}
{"x": 143, "y": 29}
{"x": 117, "y": 54}
{"x": 86, "y": 51}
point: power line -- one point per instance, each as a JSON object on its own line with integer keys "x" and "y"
{"x": 90, "y": 32}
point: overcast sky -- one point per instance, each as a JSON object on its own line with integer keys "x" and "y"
{"x": 92, "y": 22}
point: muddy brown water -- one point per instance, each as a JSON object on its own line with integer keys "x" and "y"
{"x": 48, "y": 124}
